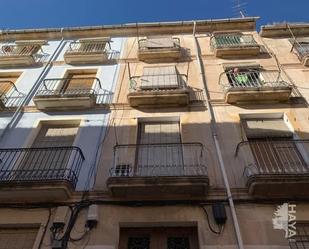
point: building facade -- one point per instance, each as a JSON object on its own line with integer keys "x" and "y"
{"x": 175, "y": 135}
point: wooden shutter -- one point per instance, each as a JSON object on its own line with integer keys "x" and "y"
{"x": 17, "y": 238}
{"x": 161, "y": 152}
{"x": 5, "y": 86}
{"x": 159, "y": 78}
{"x": 160, "y": 42}
{"x": 77, "y": 81}
{"x": 50, "y": 161}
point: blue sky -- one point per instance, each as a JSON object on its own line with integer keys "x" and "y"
{"x": 20, "y": 14}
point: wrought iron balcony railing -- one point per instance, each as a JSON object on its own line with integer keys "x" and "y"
{"x": 69, "y": 87}
{"x": 20, "y": 50}
{"x": 220, "y": 41}
{"x": 9, "y": 94}
{"x": 142, "y": 45}
{"x": 158, "y": 82}
{"x": 302, "y": 50}
{"x": 21, "y": 165}
{"x": 251, "y": 79}
{"x": 153, "y": 160}
{"x": 92, "y": 47}
{"x": 274, "y": 157}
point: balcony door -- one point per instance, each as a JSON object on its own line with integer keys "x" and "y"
{"x": 159, "y": 78}
{"x": 159, "y": 149}
{"x": 158, "y": 238}
{"x": 50, "y": 162}
{"x": 78, "y": 83}
{"x": 273, "y": 147}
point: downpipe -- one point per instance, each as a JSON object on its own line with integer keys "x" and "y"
{"x": 216, "y": 141}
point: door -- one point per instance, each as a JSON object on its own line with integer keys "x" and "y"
{"x": 78, "y": 83}
{"x": 158, "y": 238}
{"x": 277, "y": 155}
{"x": 159, "y": 78}
{"x": 51, "y": 162}
{"x": 159, "y": 149}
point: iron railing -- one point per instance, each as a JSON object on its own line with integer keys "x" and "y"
{"x": 142, "y": 44}
{"x": 60, "y": 87}
{"x": 273, "y": 157}
{"x": 252, "y": 79}
{"x": 19, "y": 50}
{"x": 41, "y": 164}
{"x": 92, "y": 47}
{"x": 166, "y": 159}
{"x": 9, "y": 94}
{"x": 158, "y": 82}
{"x": 232, "y": 41}
{"x": 301, "y": 239}
{"x": 302, "y": 50}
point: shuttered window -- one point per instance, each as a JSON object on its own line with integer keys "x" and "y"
{"x": 4, "y": 85}
{"x": 17, "y": 238}
{"x": 159, "y": 42}
{"x": 268, "y": 127}
{"x": 55, "y": 135}
{"x": 161, "y": 151}
{"x": 79, "y": 81}
{"x": 48, "y": 162}
{"x": 159, "y": 78}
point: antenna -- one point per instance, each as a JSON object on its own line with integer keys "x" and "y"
{"x": 239, "y": 8}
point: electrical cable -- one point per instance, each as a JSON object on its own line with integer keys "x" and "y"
{"x": 209, "y": 225}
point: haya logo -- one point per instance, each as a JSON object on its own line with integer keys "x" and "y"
{"x": 285, "y": 219}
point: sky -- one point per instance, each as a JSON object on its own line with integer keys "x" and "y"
{"x": 22, "y": 14}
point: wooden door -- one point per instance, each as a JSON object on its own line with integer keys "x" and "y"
{"x": 77, "y": 83}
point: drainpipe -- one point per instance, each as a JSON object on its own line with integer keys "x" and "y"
{"x": 216, "y": 141}
{"x": 17, "y": 114}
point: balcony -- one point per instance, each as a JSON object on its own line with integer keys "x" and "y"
{"x": 254, "y": 86}
{"x": 164, "y": 49}
{"x": 21, "y": 55}
{"x": 234, "y": 45}
{"x": 67, "y": 93}
{"x": 39, "y": 174}
{"x": 90, "y": 52}
{"x": 10, "y": 97}
{"x": 276, "y": 168}
{"x": 302, "y": 51}
{"x": 174, "y": 170}
{"x": 158, "y": 90}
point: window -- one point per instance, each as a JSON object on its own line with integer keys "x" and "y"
{"x": 158, "y": 238}
{"x": 301, "y": 239}
{"x": 77, "y": 82}
{"x": 301, "y": 45}
{"x": 50, "y": 162}
{"x": 17, "y": 238}
{"x": 7, "y": 81}
{"x": 244, "y": 77}
{"x": 272, "y": 145}
{"x": 160, "y": 78}
{"x": 159, "y": 149}
{"x": 93, "y": 45}
{"x": 159, "y": 42}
